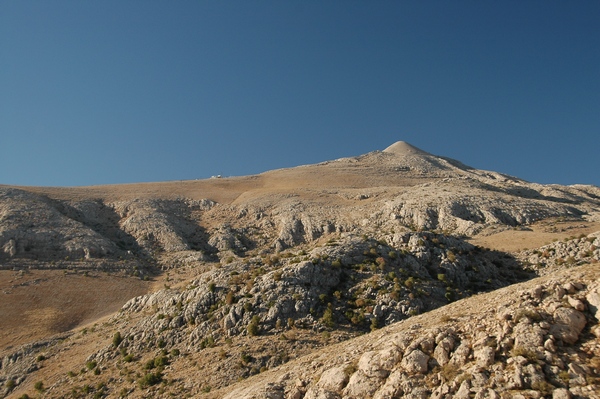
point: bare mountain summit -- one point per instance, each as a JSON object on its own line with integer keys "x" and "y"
{"x": 393, "y": 274}
{"x": 402, "y": 148}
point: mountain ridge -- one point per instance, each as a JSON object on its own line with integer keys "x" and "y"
{"x": 253, "y": 271}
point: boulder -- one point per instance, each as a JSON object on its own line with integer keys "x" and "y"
{"x": 568, "y": 324}
{"x": 561, "y": 393}
{"x": 593, "y": 299}
{"x": 442, "y": 351}
{"x": 485, "y": 356}
{"x": 334, "y": 379}
{"x": 361, "y": 386}
{"x": 415, "y": 362}
{"x": 393, "y": 386}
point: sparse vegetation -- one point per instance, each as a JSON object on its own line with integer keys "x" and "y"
{"x": 528, "y": 313}
{"x": 527, "y": 353}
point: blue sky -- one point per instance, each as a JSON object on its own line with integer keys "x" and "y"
{"x": 102, "y": 92}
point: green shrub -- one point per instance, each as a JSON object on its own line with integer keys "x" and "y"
{"x": 207, "y": 342}
{"x": 39, "y": 386}
{"x": 10, "y": 384}
{"x": 117, "y": 339}
{"x": 230, "y": 298}
{"x": 253, "y": 328}
{"x": 358, "y": 318}
{"x": 543, "y": 386}
{"x": 451, "y": 257}
{"x": 149, "y": 364}
{"x": 564, "y": 376}
{"x": 161, "y": 361}
{"x": 91, "y": 365}
{"x": 246, "y": 358}
{"x": 374, "y": 324}
{"x": 150, "y": 379}
{"x": 327, "y": 318}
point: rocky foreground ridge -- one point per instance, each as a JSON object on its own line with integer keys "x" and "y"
{"x": 374, "y": 251}
{"x": 531, "y": 340}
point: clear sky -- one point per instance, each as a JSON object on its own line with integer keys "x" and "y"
{"x": 101, "y": 92}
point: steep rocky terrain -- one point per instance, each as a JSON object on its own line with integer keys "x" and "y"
{"x": 531, "y": 340}
{"x": 253, "y": 280}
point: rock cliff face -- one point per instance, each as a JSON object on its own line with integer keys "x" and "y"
{"x": 373, "y": 250}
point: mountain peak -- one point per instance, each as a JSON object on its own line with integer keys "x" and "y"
{"x": 404, "y": 148}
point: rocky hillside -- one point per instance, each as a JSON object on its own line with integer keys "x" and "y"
{"x": 399, "y": 189}
{"x": 531, "y": 340}
{"x": 257, "y": 278}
